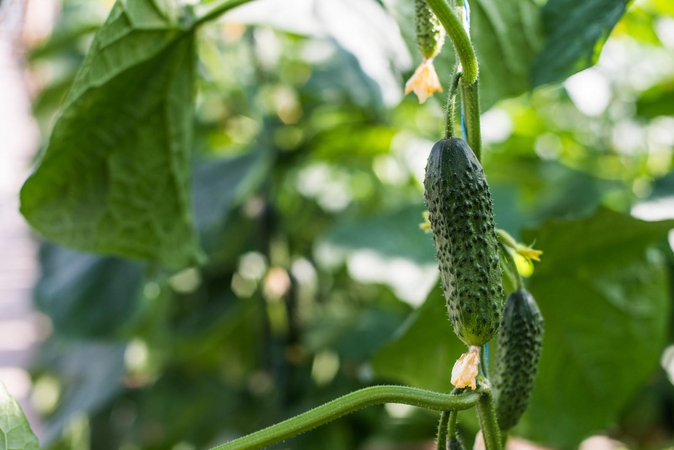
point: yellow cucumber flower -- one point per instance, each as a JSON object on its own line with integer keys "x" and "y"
{"x": 424, "y": 82}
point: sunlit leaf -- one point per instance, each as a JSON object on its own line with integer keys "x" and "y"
{"x": 575, "y": 34}
{"x": 656, "y": 101}
{"x": 15, "y": 432}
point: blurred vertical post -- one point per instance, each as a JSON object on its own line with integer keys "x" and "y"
{"x": 18, "y": 263}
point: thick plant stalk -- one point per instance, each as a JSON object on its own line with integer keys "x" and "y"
{"x": 470, "y": 102}
{"x": 460, "y": 39}
{"x": 486, "y": 413}
{"x": 348, "y": 404}
{"x": 450, "y": 109}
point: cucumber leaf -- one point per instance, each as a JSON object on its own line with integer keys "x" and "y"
{"x": 115, "y": 177}
{"x": 603, "y": 295}
{"x": 575, "y": 34}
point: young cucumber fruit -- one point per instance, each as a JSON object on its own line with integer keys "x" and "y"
{"x": 520, "y": 341}
{"x": 430, "y": 33}
{"x": 462, "y": 220}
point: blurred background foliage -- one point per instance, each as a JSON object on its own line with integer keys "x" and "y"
{"x": 307, "y": 174}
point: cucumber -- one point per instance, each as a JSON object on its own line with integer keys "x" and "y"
{"x": 520, "y": 342}
{"x": 455, "y": 444}
{"x": 462, "y": 221}
{"x": 430, "y": 34}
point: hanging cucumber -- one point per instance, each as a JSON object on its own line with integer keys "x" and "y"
{"x": 462, "y": 220}
{"x": 520, "y": 341}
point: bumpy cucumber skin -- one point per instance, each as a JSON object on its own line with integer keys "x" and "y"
{"x": 455, "y": 444}
{"x": 462, "y": 220}
{"x": 430, "y": 34}
{"x": 520, "y": 342}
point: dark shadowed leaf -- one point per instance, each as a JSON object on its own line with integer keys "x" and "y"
{"x": 424, "y": 350}
{"x": 602, "y": 294}
{"x": 115, "y": 176}
{"x": 222, "y": 185}
{"x": 91, "y": 375}
{"x": 15, "y": 432}
{"x": 390, "y": 235}
{"x": 575, "y": 34}
{"x": 87, "y": 296}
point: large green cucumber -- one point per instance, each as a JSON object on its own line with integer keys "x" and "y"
{"x": 462, "y": 220}
{"x": 520, "y": 341}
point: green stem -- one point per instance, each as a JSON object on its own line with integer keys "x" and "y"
{"x": 505, "y": 237}
{"x": 451, "y": 102}
{"x": 470, "y": 101}
{"x": 486, "y": 413}
{"x": 460, "y": 39}
{"x": 441, "y": 442}
{"x": 505, "y": 251}
{"x": 216, "y": 11}
{"x": 347, "y": 404}
{"x": 483, "y": 369}
{"x": 451, "y": 427}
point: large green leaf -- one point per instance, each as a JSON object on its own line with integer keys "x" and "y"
{"x": 604, "y": 299}
{"x": 15, "y": 432}
{"x": 575, "y": 34}
{"x": 506, "y": 35}
{"x": 115, "y": 176}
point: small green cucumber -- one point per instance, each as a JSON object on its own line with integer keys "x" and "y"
{"x": 520, "y": 341}
{"x": 455, "y": 444}
{"x": 462, "y": 220}
{"x": 430, "y": 34}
